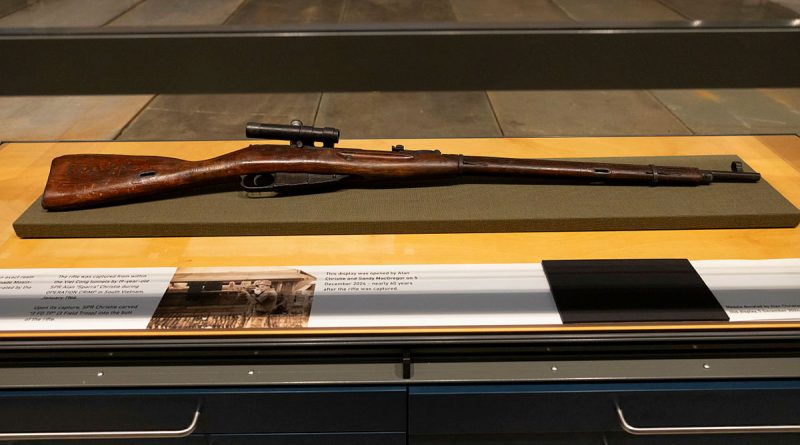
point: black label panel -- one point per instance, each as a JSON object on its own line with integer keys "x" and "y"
{"x": 598, "y": 291}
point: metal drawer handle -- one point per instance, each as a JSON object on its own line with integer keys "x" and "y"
{"x": 153, "y": 434}
{"x": 647, "y": 431}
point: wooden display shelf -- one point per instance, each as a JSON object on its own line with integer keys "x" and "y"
{"x": 24, "y": 168}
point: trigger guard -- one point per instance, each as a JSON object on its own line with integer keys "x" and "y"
{"x": 288, "y": 182}
{"x": 254, "y": 180}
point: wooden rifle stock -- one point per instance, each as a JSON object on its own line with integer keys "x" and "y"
{"x": 81, "y": 181}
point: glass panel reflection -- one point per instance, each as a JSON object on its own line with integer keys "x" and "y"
{"x": 225, "y": 15}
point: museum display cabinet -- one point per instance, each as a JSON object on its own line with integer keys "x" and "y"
{"x": 572, "y": 383}
{"x": 180, "y": 379}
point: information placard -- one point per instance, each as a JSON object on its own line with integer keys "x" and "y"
{"x": 423, "y": 295}
{"x": 76, "y": 299}
{"x": 754, "y": 290}
{"x": 433, "y": 295}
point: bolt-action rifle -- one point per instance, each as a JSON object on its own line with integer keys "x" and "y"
{"x": 91, "y": 180}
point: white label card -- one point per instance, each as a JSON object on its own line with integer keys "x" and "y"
{"x": 432, "y": 295}
{"x": 754, "y": 290}
{"x": 78, "y": 299}
{"x": 342, "y": 296}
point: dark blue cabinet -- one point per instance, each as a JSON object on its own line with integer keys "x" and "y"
{"x": 477, "y": 414}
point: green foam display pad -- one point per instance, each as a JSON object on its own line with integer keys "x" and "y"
{"x": 455, "y": 207}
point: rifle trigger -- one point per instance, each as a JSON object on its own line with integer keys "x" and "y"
{"x": 257, "y": 182}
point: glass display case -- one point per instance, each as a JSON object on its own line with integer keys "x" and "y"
{"x": 351, "y": 45}
{"x": 307, "y": 334}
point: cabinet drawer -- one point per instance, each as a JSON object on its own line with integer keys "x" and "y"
{"x": 507, "y": 409}
{"x": 88, "y": 411}
{"x": 222, "y": 411}
{"x": 315, "y": 410}
{"x": 312, "y": 439}
{"x": 191, "y": 440}
{"x": 526, "y": 409}
{"x": 508, "y": 439}
{"x": 705, "y": 439}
